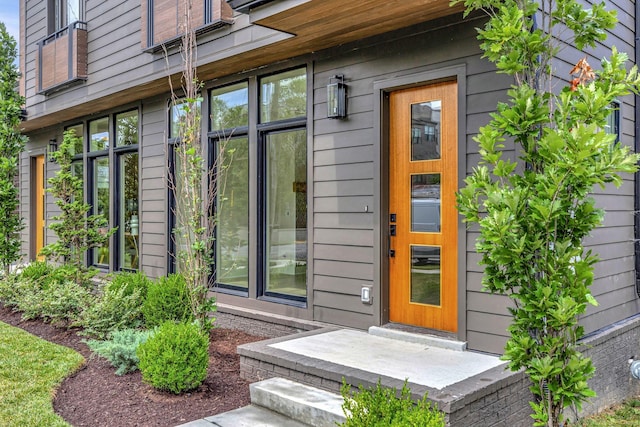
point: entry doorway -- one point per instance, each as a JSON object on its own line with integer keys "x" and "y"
{"x": 37, "y": 206}
{"x": 423, "y": 220}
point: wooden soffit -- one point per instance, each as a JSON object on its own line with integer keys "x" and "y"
{"x": 319, "y": 24}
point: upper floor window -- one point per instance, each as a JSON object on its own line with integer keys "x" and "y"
{"x": 64, "y": 12}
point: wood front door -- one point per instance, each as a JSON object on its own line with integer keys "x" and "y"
{"x": 37, "y": 215}
{"x": 423, "y": 221}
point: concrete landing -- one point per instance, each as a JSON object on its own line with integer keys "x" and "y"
{"x": 470, "y": 388}
{"x": 420, "y": 362}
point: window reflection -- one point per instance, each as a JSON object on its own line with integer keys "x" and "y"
{"x": 283, "y": 96}
{"x": 286, "y": 212}
{"x": 129, "y": 216}
{"x": 101, "y": 205}
{"x": 230, "y": 107}
{"x": 425, "y": 130}
{"x": 425, "y": 275}
{"x": 99, "y": 134}
{"x": 232, "y": 214}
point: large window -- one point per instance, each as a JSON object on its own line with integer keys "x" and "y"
{"x": 277, "y": 192}
{"x": 230, "y": 143}
{"x": 112, "y": 185}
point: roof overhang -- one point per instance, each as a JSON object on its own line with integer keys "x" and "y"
{"x": 310, "y": 25}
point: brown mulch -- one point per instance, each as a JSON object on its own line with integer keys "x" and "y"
{"x": 96, "y": 396}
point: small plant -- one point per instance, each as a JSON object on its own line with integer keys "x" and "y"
{"x": 120, "y": 349}
{"x": 381, "y": 407}
{"x": 167, "y": 300}
{"x": 118, "y": 307}
{"x": 175, "y": 358}
{"x": 77, "y": 231}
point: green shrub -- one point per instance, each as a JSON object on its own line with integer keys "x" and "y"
{"x": 130, "y": 282}
{"x": 120, "y": 349}
{"x": 167, "y": 300}
{"x": 175, "y": 358}
{"x": 112, "y": 311}
{"x": 36, "y": 270}
{"x": 381, "y": 407}
{"x": 8, "y": 290}
{"x": 53, "y": 300}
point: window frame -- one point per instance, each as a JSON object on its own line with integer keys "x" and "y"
{"x": 113, "y": 154}
{"x": 256, "y": 133}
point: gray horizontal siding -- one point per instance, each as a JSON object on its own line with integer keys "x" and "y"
{"x": 153, "y": 204}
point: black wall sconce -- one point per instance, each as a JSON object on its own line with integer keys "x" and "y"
{"x": 53, "y": 147}
{"x": 336, "y": 97}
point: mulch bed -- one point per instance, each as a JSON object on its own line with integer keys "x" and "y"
{"x": 95, "y": 395}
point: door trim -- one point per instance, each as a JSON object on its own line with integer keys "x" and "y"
{"x": 381, "y": 89}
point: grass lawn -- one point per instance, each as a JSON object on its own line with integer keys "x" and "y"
{"x": 625, "y": 415}
{"x": 30, "y": 370}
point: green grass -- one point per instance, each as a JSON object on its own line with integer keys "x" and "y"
{"x": 625, "y": 415}
{"x": 30, "y": 371}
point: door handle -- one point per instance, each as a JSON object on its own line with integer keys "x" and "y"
{"x": 392, "y": 232}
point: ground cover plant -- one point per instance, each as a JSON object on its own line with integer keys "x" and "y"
{"x": 30, "y": 371}
{"x": 624, "y": 415}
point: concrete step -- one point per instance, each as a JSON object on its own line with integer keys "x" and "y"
{"x": 427, "y": 340}
{"x": 248, "y": 416}
{"x": 299, "y": 402}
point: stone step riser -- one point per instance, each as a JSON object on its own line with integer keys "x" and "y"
{"x": 309, "y": 405}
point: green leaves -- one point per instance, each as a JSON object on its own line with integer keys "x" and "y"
{"x": 532, "y": 223}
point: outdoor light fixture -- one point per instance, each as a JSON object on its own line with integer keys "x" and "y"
{"x": 53, "y": 147}
{"x": 336, "y": 97}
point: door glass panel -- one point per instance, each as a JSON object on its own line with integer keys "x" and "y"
{"x": 286, "y": 213}
{"x": 425, "y": 203}
{"x": 232, "y": 210}
{"x": 425, "y": 130}
{"x": 425, "y": 275}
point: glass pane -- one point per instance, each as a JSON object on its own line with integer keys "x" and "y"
{"x": 127, "y": 128}
{"x": 78, "y": 170}
{"x": 101, "y": 204}
{"x": 99, "y": 134}
{"x": 425, "y": 130}
{"x": 232, "y": 207}
{"x": 425, "y": 275}
{"x": 78, "y": 147}
{"x": 286, "y": 213}
{"x": 425, "y": 203}
{"x": 283, "y": 96}
{"x": 179, "y": 201}
{"x": 73, "y": 10}
{"x": 129, "y": 216}
{"x": 177, "y": 117}
{"x": 230, "y": 107}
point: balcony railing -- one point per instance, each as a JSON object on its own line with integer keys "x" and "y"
{"x": 62, "y": 58}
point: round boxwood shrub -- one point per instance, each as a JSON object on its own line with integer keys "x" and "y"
{"x": 167, "y": 300}
{"x": 175, "y": 358}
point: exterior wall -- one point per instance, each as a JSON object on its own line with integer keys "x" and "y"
{"x": 347, "y": 158}
{"x": 614, "y": 284}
